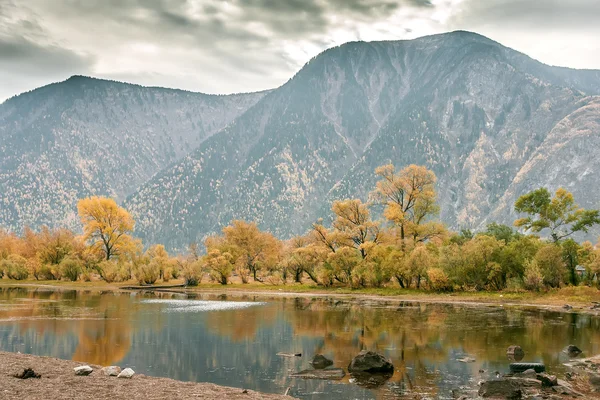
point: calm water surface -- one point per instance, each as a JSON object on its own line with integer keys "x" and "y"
{"x": 234, "y": 340}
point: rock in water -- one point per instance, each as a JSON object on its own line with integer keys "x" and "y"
{"x": 503, "y": 389}
{"x": 319, "y": 361}
{"x": 126, "y": 373}
{"x": 371, "y": 362}
{"x": 113, "y": 370}
{"x": 84, "y": 370}
{"x": 328, "y": 374}
{"x": 515, "y": 353}
{"x": 572, "y": 350}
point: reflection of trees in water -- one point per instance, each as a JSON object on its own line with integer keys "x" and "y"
{"x": 239, "y": 347}
{"x": 424, "y": 340}
{"x": 97, "y": 325}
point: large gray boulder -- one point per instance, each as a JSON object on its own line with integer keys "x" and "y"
{"x": 370, "y": 362}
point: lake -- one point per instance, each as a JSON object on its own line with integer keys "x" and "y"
{"x": 233, "y": 340}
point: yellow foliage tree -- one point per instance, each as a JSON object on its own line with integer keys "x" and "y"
{"x": 259, "y": 249}
{"x": 410, "y": 200}
{"x": 107, "y": 226}
{"x": 354, "y": 226}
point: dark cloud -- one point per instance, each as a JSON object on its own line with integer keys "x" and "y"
{"x": 241, "y": 45}
{"x": 32, "y": 58}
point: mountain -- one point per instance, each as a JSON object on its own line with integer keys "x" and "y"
{"x": 491, "y": 122}
{"x": 87, "y": 136}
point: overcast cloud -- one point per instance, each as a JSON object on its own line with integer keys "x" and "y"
{"x": 218, "y": 46}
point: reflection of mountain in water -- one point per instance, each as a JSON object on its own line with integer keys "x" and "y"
{"x": 238, "y": 347}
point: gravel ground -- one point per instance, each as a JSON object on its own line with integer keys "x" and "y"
{"x": 58, "y": 381}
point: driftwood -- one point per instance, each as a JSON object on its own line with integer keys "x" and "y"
{"x": 289, "y": 354}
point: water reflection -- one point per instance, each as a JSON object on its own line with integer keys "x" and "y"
{"x": 237, "y": 344}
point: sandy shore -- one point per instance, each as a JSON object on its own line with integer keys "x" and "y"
{"x": 58, "y": 381}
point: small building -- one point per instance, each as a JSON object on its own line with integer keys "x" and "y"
{"x": 580, "y": 270}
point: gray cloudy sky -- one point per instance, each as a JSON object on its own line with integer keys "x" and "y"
{"x": 219, "y": 46}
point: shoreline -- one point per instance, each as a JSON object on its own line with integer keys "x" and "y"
{"x": 58, "y": 380}
{"x": 579, "y": 299}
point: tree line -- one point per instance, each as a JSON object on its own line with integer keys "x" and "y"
{"x": 408, "y": 247}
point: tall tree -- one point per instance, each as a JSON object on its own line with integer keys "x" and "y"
{"x": 354, "y": 225}
{"x": 107, "y": 226}
{"x": 560, "y": 214}
{"x": 410, "y": 200}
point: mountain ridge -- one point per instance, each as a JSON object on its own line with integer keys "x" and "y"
{"x": 472, "y": 110}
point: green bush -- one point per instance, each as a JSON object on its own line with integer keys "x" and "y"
{"x": 70, "y": 268}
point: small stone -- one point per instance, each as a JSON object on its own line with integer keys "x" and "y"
{"x": 547, "y": 380}
{"x": 567, "y": 307}
{"x": 126, "y": 373}
{"x": 319, "y": 361}
{"x": 530, "y": 373}
{"x": 84, "y": 370}
{"x": 594, "y": 380}
{"x": 515, "y": 353}
{"x": 113, "y": 370}
{"x": 27, "y": 373}
{"x": 572, "y": 350}
{"x": 505, "y": 389}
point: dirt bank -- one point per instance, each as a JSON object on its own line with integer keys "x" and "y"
{"x": 59, "y": 381}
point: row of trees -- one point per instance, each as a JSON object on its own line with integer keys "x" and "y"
{"x": 409, "y": 247}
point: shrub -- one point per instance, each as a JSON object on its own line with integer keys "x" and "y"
{"x": 148, "y": 273}
{"x": 70, "y": 268}
{"x": 109, "y": 271}
{"x": 15, "y": 267}
{"x": 549, "y": 259}
{"x": 438, "y": 280}
{"x": 49, "y": 272}
{"x": 192, "y": 273}
{"x": 533, "y": 279}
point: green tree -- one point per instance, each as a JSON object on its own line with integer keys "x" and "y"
{"x": 560, "y": 214}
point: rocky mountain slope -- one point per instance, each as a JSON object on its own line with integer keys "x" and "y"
{"x": 491, "y": 122}
{"x": 488, "y": 120}
{"x": 88, "y": 136}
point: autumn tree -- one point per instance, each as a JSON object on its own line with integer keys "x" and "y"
{"x": 560, "y": 214}
{"x": 354, "y": 226}
{"x": 410, "y": 200}
{"x": 107, "y": 226}
{"x": 259, "y": 249}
